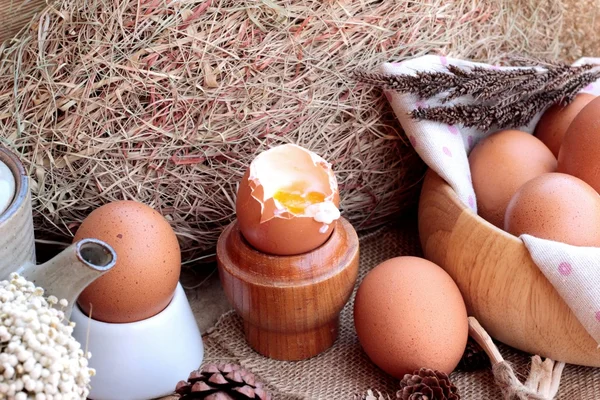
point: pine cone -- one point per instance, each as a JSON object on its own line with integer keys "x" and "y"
{"x": 221, "y": 382}
{"x": 474, "y": 357}
{"x": 427, "y": 384}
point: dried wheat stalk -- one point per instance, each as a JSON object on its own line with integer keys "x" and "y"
{"x": 502, "y": 98}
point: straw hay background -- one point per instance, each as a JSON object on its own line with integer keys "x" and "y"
{"x": 166, "y": 102}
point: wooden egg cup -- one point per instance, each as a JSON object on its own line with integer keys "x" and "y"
{"x": 290, "y": 304}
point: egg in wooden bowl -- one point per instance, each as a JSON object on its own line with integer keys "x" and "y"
{"x": 501, "y": 285}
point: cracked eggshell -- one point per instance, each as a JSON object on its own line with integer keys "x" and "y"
{"x": 270, "y": 227}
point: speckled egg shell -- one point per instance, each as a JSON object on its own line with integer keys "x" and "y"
{"x": 409, "y": 314}
{"x": 144, "y": 279}
{"x": 579, "y": 154}
{"x": 500, "y": 164}
{"x": 555, "y": 121}
{"x": 558, "y": 207}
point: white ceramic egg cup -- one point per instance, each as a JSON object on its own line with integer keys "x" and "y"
{"x": 145, "y": 359}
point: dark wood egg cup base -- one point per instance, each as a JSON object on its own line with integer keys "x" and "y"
{"x": 290, "y": 304}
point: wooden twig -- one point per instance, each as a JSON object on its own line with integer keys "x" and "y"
{"x": 541, "y": 384}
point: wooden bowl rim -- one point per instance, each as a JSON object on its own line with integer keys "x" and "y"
{"x": 451, "y": 194}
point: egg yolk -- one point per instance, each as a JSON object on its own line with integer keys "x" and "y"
{"x": 295, "y": 200}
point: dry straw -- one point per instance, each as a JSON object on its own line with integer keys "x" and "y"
{"x": 166, "y": 102}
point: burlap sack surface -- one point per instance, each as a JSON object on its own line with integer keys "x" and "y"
{"x": 344, "y": 372}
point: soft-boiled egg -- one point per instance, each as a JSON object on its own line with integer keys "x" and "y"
{"x": 288, "y": 201}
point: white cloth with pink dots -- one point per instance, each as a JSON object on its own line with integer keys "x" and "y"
{"x": 573, "y": 271}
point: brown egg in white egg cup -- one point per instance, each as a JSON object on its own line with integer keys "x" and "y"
{"x": 136, "y": 319}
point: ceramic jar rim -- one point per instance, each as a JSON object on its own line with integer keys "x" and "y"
{"x": 21, "y": 182}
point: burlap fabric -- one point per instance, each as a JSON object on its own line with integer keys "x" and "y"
{"x": 344, "y": 372}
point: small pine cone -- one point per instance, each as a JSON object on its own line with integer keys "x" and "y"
{"x": 474, "y": 357}
{"x": 427, "y": 384}
{"x": 221, "y": 382}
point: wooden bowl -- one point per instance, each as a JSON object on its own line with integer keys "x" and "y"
{"x": 290, "y": 304}
{"x": 500, "y": 283}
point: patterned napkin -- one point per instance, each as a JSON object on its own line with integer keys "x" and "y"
{"x": 573, "y": 271}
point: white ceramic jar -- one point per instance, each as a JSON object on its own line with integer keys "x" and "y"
{"x": 7, "y": 187}
{"x": 17, "y": 238}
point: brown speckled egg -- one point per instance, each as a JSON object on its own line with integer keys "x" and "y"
{"x": 558, "y": 207}
{"x": 500, "y": 164}
{"x": 143, "y": 281}
{"x": 408, "y": 314}
{"x": 580, "y": 151}
{"x": 555, "y": 121}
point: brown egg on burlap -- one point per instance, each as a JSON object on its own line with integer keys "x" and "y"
{"x": 408, "y": 314}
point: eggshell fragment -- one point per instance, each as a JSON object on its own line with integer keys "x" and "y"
{"x": 287, "y": 201}
{"x": 579, "y": 154}
{"x": 408, "y": 314}
{"x": 143, "y": 281}
{"x": 555, "y": 121}
{"x": 557, "y": 207}
{"x": 500, "y": 164}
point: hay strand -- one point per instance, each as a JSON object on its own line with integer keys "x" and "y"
{"x": 167, "y": 101}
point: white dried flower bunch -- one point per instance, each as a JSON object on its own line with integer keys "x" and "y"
{"x": 39, "y": 358}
